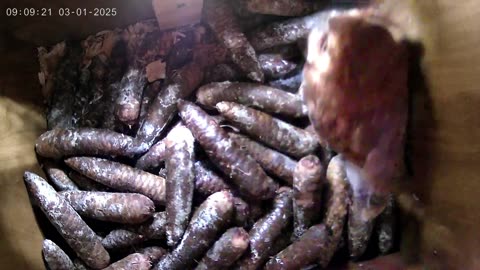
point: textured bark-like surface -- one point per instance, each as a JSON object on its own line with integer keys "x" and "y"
{"x": 337, "y": 206}
{"x": 207, "y": 181}
{"x": 289, "y": 31}
{"x": 226, "y": 250}
{"x": 266, "y": 230}
{"x": 359, "y": 230}
{"x": 121, "y": 239}
{"x": 219, "y": 16}
{"x": 121, "y": 177}
{"x": 242, "y": 169}
{"x": 209, "y": 221}
{"x": 87, "y": 184}
{"x": 271, "y": 161}
{"x": 283, "y": 7}
{"x": 55, "y": 257}
{"x": 68, "y": 223}
{"x": 129, "y": 100}
{"x": 154, "y": 228}
{"x": 58, "y": 143}
{"x": 303, "y": 252}
{"x": 260, "y": 96}
{"x": 164, "y": 106}
{"x": 124, "y": 208}
{"x": 307, "y": 193}
{"x": 180, "y": 182}
{"x": 58, "y": 177}
{"x": 159, "y": 152}
{"x": 274, "y": 132}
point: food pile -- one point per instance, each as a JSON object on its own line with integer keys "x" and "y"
{"x": 191, "y": 148}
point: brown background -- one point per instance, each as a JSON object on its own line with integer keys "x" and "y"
{"x": 446, "y": 126}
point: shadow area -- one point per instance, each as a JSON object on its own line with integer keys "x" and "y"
{"x": 20, "y": 100}
{"x": 414, "y": 190}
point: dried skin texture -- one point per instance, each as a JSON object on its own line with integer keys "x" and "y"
{"x": 128, "y": 103}
{"x": 180, "y": 183}
{"x": 307, "y": 192}
{"x": 164, "y": 106}
{"x": 135, "y": 261}
{"x": 207, "y": 181}
{"x": 287, "y": 32}
{"x": 359, "y": 229}
{"x": 282, "y": 7}
{"x": 356, "y": 93}
{"x": 154, "y": 254}
{"x": 115, "y": 207}
{"x": 58, "y": 177}
{"x": 68, "y": 223}
{"x": 242, "y": 169}
{"x": 60, "y": 113}
{"x": 210, "y": 219}
{"x": 225, "y": 251}
{"x": 120, "y": 177}
{"x": 271, "y": 131}
{"x": 58, "y": 143}
{"x": 267, "y": 229}
{"x": 337, "y": 204}
{"x": 129, "y": 100}
{"x": 153, "y": 228}
{"x": 154, "y": 157}
{"x": 271, "y": 161}
{"x": 119, "y": 239}
{"x": 219, "y": 16}
{"x": 386, "y": 227}
{"x": 55, "y": 257}
{"x": 274, "y": 66}
{"x": 86, "y": 183}
{"x": 159, "y": 151}
{"x": 302, "y": 252}
{"x": 260, "y": 96}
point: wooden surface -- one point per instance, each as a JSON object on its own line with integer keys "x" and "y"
{"x": 176, "y": 13}
{"x": 21, "y": 122}
{"x": 445, "y": 145}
